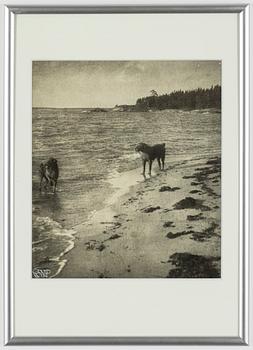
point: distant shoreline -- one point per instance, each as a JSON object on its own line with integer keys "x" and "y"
{"x": 111, "y": 109}
{"x": 196, "y": 99}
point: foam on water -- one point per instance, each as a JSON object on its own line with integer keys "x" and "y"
{"x": 98, "y": 163}
{"x": 52, "y": 243}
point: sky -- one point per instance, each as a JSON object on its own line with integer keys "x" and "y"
{"x": 80, "y": 84}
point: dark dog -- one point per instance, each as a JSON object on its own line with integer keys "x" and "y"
{"x": 49, "y": 172}
{"x": 150, "y": 153}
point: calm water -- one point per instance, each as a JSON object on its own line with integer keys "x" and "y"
{"x": 90, "y": 146}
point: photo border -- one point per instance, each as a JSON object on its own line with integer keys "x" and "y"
{"x": 9, "y": 56}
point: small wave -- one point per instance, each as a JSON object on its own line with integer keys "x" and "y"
{"x": 51, "y": 242}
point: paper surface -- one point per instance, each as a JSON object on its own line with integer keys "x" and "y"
{"x": 126, "y": 307}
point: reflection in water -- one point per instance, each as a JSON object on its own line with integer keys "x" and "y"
{"x": 51, "y": 201}
{"x": 89, "y": 147}
{"x": 48, "y": 204}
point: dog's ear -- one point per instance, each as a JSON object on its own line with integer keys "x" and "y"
{"x": 163, "y": 144}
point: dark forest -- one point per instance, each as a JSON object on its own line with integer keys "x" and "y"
{"x": 190, "y": 99}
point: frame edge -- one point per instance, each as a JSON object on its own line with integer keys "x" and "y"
{"x": 9, "y": 26}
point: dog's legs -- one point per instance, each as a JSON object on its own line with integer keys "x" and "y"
{"x": 159, "y": 163}
{"x": 55, "y": 183}
{"x": 150, "y": 167}
{"x": 163, "y": 158}
{"x": 52, "y": 184}
{"x": 41, "y": 178}
{"x": 46, "y": 183}
{"x": 144, "y": 166}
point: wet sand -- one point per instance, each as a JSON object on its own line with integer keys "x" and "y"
{"x": 165, "y": 226}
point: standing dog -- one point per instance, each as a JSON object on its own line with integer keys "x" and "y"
{"x": 50, "y": 172}
{"x": 150, "y": 153}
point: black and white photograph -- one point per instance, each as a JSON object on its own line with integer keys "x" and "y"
{"x": 126, "y": 169}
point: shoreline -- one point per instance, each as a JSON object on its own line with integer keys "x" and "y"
{"x": 140, "y": 233}
{"x": 121, "y": 184}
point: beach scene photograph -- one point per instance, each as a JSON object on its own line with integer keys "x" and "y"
{"x": 126, "y": 169}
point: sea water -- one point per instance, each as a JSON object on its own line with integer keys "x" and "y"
{"x": 90, "y": 148}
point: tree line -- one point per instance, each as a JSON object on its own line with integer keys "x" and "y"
{"x": 189, "y": 99}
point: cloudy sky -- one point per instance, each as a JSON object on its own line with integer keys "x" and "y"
{"x": 107, "y": 83}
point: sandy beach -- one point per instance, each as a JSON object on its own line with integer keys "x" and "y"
{"x": 167, "y": 225}
{"x": 103, "y": 219}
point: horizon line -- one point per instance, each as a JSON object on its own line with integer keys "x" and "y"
{"x": 126, "y": 103}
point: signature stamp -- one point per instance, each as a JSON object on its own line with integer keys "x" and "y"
{"x": 41, "y": 273}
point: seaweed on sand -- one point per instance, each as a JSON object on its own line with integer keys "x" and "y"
{"x": 169, "y": 224}
{"x": 114, "y": 236}
{"x": 195, "y": 191}
{"x": 178, "y": 234}
{"x": 195, "y": 217}
{"x": 206, "y": 234}
{"x": 196, "y": 236}
{"x": 190, "y": 203}
{"x": 150, "y": 209}
{"x": 93, "y": 244}
{"x": 194, "y": 266}
{"x": 168, "y": 189}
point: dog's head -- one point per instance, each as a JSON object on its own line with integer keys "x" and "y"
{"x": 141, "y": 147}
{"x": 52, "y": 161}
{"x": 51, "y": 164}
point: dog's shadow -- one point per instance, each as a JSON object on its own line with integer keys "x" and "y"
{"x": 147, "y": 177}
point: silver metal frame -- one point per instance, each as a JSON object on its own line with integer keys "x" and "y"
{"x": 10, "y": 13}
